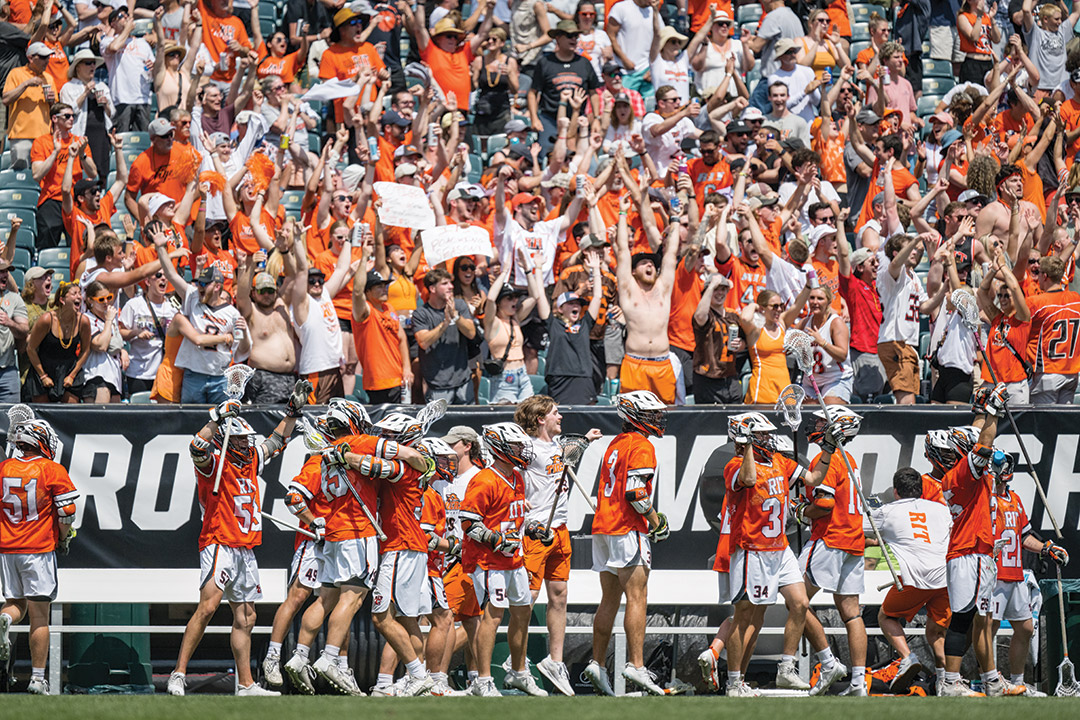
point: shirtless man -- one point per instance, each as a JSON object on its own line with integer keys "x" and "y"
{"x": 273, "y": 347}
{"x": 645, "y": 299}
{"x": 994, "y": 218}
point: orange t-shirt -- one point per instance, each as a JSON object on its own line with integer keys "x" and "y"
{"x": 746, "y": 282}
{"x": 902, "y": 180}
{"x": 1011, "y": 525}
{"x": 243, "y": 236}
{"x": 685, "y": 296}
{"x": 757, "y": 522}
{"x": 342, "y": 62}
{"x": 931, "y": 489}
{"x": 232, "y": 517}
{"x": 384, "y": 166}
{"x": 77, "y": 231}
{"x": 838, "y": 16}
{"x": 217, "y": 34}
{"x": 971, "y": 502}
{"x": 327, "y": 261}
{"x": 498, "y": 503}
{"x": 451, "y": 71}
{"x": 378, "y": 348}
{"x": 153, "y": 172}
{"x": 699, "y": 11}
{"x": 33, "y": 494}
{"x": 50, "y": 183}
{"x": 829, "y": 276}
{"x": 401, "y": 507}
{"x": 58, "y": 65}
{"x": 1055, "y": 328}
{"x": 145, "y": 254}
{"x": 1070, "y": 115}
{"x": 629, "y": 455}
{"x": 1006, "y": 329}
{"x": 982, "y": 47}
{"x": 831, "y": 152}
{"x": 1033, "y": 187}
{"x": 284, "y": 67}
{"x": 841, "y": 529}
{"x": 433, "y": 520}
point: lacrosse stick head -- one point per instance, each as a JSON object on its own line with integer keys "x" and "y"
{"x": 789, "y": 404}
{"x": 17, "y": 414}
{"x": 965, "y": 305}
{"x": 316, "y": 433}
{"x": 800, "y": 346}
{"x": 1067, "y": 685}
{"x": 573, "y": 448}
{"x": 236, "y": 379}
{"x": 430, "y": 414}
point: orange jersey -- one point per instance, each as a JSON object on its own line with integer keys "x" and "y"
{"x": 345, "y": 519}
{"x": 1012, "y": 524}
{"x": 34, "y": 495}
{"x": 1006, "y": 332}
{"x": 630, "y": 461}
{"x": 931, "y": 489}
{"x": 747, "y": 281}
{"x": 344, "y": 63}
{"x": 1070, "y": 115}
{"x": 722, "y": 562}
{"x": 433, "y": 520}
{"x": 76, "y": 230}
{"x": 41, "y": 150}
{"x": 309, "y": 484}
{"x": 709, "y": 178}
{"x": 284, "y": 67}
{"x": 218, "y": 32}
{"x": 327, "y": 261}
{"x": 969, "y": 493}
{"x": 498, "y": 503}
{"x": 233, "y": 517}
{"x": 1055, "y": 328}
{"x": 842, "y": 528}
{"x": 758, "y": 520}
{"x": 243, "y": 236}
{"x": 401, "y": 505}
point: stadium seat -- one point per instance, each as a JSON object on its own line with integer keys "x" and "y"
{"x": 650, "y": 103}
{"x": 495, "y": 143}
{"x": 18, "y": 198}
{"x": 60, "y": 275}
{"x": 539, "y": 384}
{"x": 603, "y": 400}
{"x": 130, "y": 155}
{"x": 541, "y": 365}
{"x": 11, "y": 179}
{"x": 55, "y": 258}
{"x": 22, "y": 258}
{"x": 485, "y": 390}
{"x": 476, "y": 167}
{"x": 143, "y": 26}
{"x": 861, "y": 13}
{"x": 314, "y": 142}
{"x": 856, "y": 48}
{"x": 936, "y": 68}
{"x": 748, "y": 13}
{"x": 135, "y": 140}
{"x": 141, "y": 398}
{"x": 5, "y": 160}
{"x": 886, "y": 399}
{"x": 28, "y": 215}
{"x": 937, "y": 85}
{"x": 25, "y": 238}
{"x": 292, "y": 200}
{"x": 17, "y": 276}
{"x": 268, "y": 26}
{"x": 859, "y": 32}
{"x": 927, "y": 105}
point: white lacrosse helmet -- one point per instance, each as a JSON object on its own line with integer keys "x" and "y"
{"x": 784, "y": 445}
{"x": 508, "y": 442}
{"x": 36, "y": 437}
{"x": 962, "y": 438}
{"x": 757, "y": 426}
{"x": 399, "y": 427}
{"x": 846, "y": 423}
{"x": 347, "y": 417}
{"x": 444, "y": 456}
{"x": 643, "y": 410}
{"x": 938, "y": 450}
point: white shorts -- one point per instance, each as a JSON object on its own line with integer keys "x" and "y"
{"x": 971, "y": 580}
{"x": 28, "y": 575}
{"x": 832, "y": 570}
{"x": 840, "y": 387}
{"x": 1012, "y": 600}
{"x": 757, "y": 575}
{"x": 502, "y": 588}
{"x": 400, "y": 582}
{"x": 234, "y": 570}
{"x": 611, "y": 553}
{"x": 304, "y": 567}
{"x": 437, "y": 593}
{"x": 349, "y": 562}
{"x": 723, "y": 583}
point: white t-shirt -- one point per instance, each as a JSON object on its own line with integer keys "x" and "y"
{"x": 592, "y": 46}
{"x": 541, "y": 480}
{"x": 541, "y": 243}
{"x": 828, "y": 192}
{"x": 785, "y": 279}
{"x": 319, "y": 335}
{"x": 957, "y": 343}
{"x": 617, "y": 137}
{"x": 209, "y": 321}
{"x": 104, "y": 364}
{"x": 453, "y": 493}
{"x": 803, "y": 105}
{"x": 129, "y": 71}
{"x": 917, "y": 530}
{"x": 663, "y": 147}
{"x": 146, "y": 354}
{"x": 900, "y": 300}
{"x": 635, "y": 32}
{"x": 675, "y": 73}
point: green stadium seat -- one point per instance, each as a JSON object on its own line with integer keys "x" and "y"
{"x": 22, "y": 258}
{"x": 292, "y": 200}
{"x": 5, "y": 160}
{"x": 936, "y": 68}
{"x": 476, "y": 168}
{"x": 28, "y": 215}
{"x": 856, "y": 48}
{"x": 17, "y": 276}
{"x": 927, "y": 105}
{"x": 495, "y": 143}
{"x": 25, "y": 238}
{"x": 937, "y": 85}
{"x": 268, "y": 26}
{"x": 11, "y": 179}
{"x": 860, "y": 32}
{"x": 603, "y": 400}
{"x": 748, "y": 13}
{"x": 861, "y": 13}
{"x": 135, "y": 140}
{"x": 485, "y": 390}
{"x": 18, "y": 198}
{"x": 539, "y": 384}
{"x": 541, "y": 366}
{"x": 60, "y": 275}
{"x": 55, "y": 258}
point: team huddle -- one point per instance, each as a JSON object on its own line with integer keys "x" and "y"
{"x": 459, "y": 529}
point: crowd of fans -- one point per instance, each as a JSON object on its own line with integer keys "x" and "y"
{"x": 667, "y": 187}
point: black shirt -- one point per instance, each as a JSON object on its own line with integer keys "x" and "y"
{"x": 445, "y": 364}
{"x": 313, "y": 13}
{"x": 569, "y": 349}
{"x": 388, "y": 30}
{"x": 551, "y": 76}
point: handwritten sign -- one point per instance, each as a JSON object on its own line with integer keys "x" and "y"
{"x": 404, "y": 206}
{"x": 451, "y": 241}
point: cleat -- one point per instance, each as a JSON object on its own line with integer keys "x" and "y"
{"x": 557, "y": 675}
{"x": 741, "y": 689}
{"x": 827, "y": 678}
{"x": 38, "y": 686}
{"x": 939, "y": 687}
{"x": 958, "y": 688}
{"x": 1000, "y": 687}
{"x": 416, "y": 686}
{"x": 300, "y": 675}
{"x": 350, "y": 679}
{"x": 175, "y": 685}
{"x": 597, "y": 676}
{"x": 644, "y": 678}
{"x": 525, "y": 682}
{"x": 853, "y": 691}
{"x": 255, "y": 690}
{"x": 906, "y": 672}
{"x": 272, "y": 672}
{"x": 383, "y": 690}
{"x": 5, "y": 640}
{"x": 1033, "y": 691}
{"x": 442, "y": 689}
{"x": 334, "y": 676}
{"x": 485, "y": 688}
{"x": 787, "y": 677}
{"x": 709, "y": 674}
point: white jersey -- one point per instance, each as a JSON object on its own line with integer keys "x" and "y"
{"x": 218, "y": 320}
{"x": 146, "y": 354}
{"x": 541, "y": 481}
{"x": 319, "y": 335}
{"x": 785, "y": 279}
{"x": 453, "y": 494}
{"x": 541, "y": 243}
{"x": 104, "y": 364}
{"x": 827, "y": 370}
{"x": 900, "y": 301}
{"x": 917, "y": 530}
{"x": 954, "y": 343}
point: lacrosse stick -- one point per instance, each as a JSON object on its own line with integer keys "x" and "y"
{"x": 789, "y": 404}
{"x": 288, "y": 526}
{"x": 573, "y": 447}
{"x": 1067, "y": 685}
{"x": 969, "y": 315}
{"x": 800, "y": 345}
{"x": 236, "y": 379}
{"x": 17, "y": 414}
{"x": 430, "y": 414}
{"x": 317, "y": 442}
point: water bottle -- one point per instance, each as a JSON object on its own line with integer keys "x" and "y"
{"x": 406, "y": 392}
{"x": 373, "y": 148}
{"x": 732, "y": 336}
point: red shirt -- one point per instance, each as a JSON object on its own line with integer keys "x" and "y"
{"x": 864, "y": 307}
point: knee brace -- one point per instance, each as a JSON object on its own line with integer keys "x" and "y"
{"x": 956, "y": 637}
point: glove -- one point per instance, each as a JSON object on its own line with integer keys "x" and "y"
{"x": 980, "y": 398}
{"x": 800, "y": 510}
{"x": 536, "y": 531}
{"x": 829, "y": 442}
{"x": 227, "y": 409}
{"x": 335, "y": 456}
{"x": 454, "y": 551}
{"x": 742, "y": 439}
{"x": 1055, "y": 552}
{"x": 64, "y": 546}
{"x": 506, "y": 543}
{"x": 995, "y": 404}
{"x": 299, "y": 397}
{"x": 318, "y": 526}
{"x": 662, "y": 531}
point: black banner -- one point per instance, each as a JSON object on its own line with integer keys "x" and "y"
{"x": 138, "y": 507}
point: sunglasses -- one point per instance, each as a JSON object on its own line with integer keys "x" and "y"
{"x": 159, "y": 275}
{"x": 587, "y": 14}
{"x": 467, "y": 268}
{"x": 829, "y": 219}
{"x": 104, "y": 299}
{"x": 64, "y": 116}
{"x": 355, "y": 21}
{"x": 342, "y": 198}
{"x": 267, "y": 291}
{"x": 774, "y": 306}
{"x": 1003, "y": 296}
{"x": 315, "y": 280}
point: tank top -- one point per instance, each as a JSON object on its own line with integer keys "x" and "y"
{"x": 169, "y": 379}
{"x": 769, "y": 364}
{"x": 827, "y": 371}
{"x": 498, "y": 339}
{"x": 982, "y": 48}
{"x": 494, "y": 96}
{"x": 524, "y": 29}
{"x": 823, "y": 59}
{"x": 401, "y": 294}
{"x": 320, "y": 336}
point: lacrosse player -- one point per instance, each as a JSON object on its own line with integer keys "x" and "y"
{"x": 493, "y": 518}
{"x": 1012, "y": 598}
{"x": 710, "y": 657}
{"x": 833, "y": 559}
{"x": 970, "y": 569}
{"x": 548, "y": 560}
{"x": 231, "y": 529}
{"x": 759, "y": 480}
{"x": 942, "y": 457}
{"x": 624, "y": 524}
{"x": 917, "y": 530}
{"x": 38, "y": 504}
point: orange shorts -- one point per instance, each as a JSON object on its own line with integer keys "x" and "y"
{"x": 909, "y": 601}
{"x": 660, "y": 375}
{"x": 548, "y": 563}
{"x": 460, "y": 595}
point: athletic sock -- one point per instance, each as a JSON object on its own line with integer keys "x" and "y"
{"x": 787, "y": 658}
{"x": 939, "y": 673}
{"x": 416, "y": 669}
{"x": 733, "y": 678}
{"x": 858, "y": 676}
{"x": 952, "y": 677}
{"x": 473, "y": 674}
{"x": 274, "y": 651}
{"x": 485, "y": 679}
{"x": 1017, "y": 679}
{"x": 342, "y": 662}
{"x": 302, "y": 651}
{"x": 988, "y": 676}
{"x": 826, "y": 658}
{"x": 330, "y": 652}
{"x": 37, "y": 673}
{"x": 385, "y": 679}
{"x": 439, "y": 677}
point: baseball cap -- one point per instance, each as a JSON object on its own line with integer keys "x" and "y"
{"x": 516, "y": 125}
{"x": 622, "y": 98}
{"x": 761, "y": 201}
{"x": 592, "y": 241}
{"x": 818, "y": 232}
{"x": 374, "y": 279}
{"x": 218, "y": 138}
{"x": 344, "y": 15}
{"x": 351, "y": 176}
{"x": 611, "y": 68}
{"x": 638, "y": 258}
{"x": 160, "y": 127}
{"x": 156, "y": 201}
{"x": 723, "y": 16}
{"x": 949, "y": 137}
{"x": 459, "y": 433}
{"x": 783, "y": 46}
{"x": 509, "y": 291}
{"x": 39, "y": 49}
{"x": 404, "y": 169}
{"x": 34, "y": 273}
{"x": 524, "y": 198}
{"x": 210, "y": 275}
{"x": 866, "y": 116}
{"x": 517, "y": 151}
{"x": 738, "y": 126}
{"x": 973, "y": 196}
{"x": 404, "y": 150}
{"x": 316, "y": 273}
{"x": 85, "y": 186}
{"x": 860, "y": 256}
{"x": 558, "y": 180}
{"x": 569, "y": 297}
{"x": 264, "y": 281}
{"x": 391, "y": 117}
{"x": 243, "y": 117}
{"x": 942, "y": 117}
{"x": 751, "y": 113}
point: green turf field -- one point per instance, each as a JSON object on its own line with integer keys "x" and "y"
{"x": 208, "y": 707}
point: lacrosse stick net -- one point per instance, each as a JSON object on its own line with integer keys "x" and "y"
{"x": 236, "y": 379}
{"x": 800, "y": 346}
{"x": 430, "y": 414}
{"x": 789, "y": 404}
{"x": 1067, "y": 685}
{"x": 17, "y": 414}
{"x": 966, "y": 307}
{"x": 573, "y": 449}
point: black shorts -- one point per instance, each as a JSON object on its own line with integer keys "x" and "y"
{"x": 345, "y": 325}
{"x": 567, "y": 390}
{"x": 953, "y": 385}
{"x": 269, "y": 388}
{"x": 138, "y": 385}
{"x": 717, "y": 391}
{"x": 90, "y": 387}
{"x": 388, "y": 396}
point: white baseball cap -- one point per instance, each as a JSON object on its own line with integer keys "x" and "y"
{"x": 156, "y": 201}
